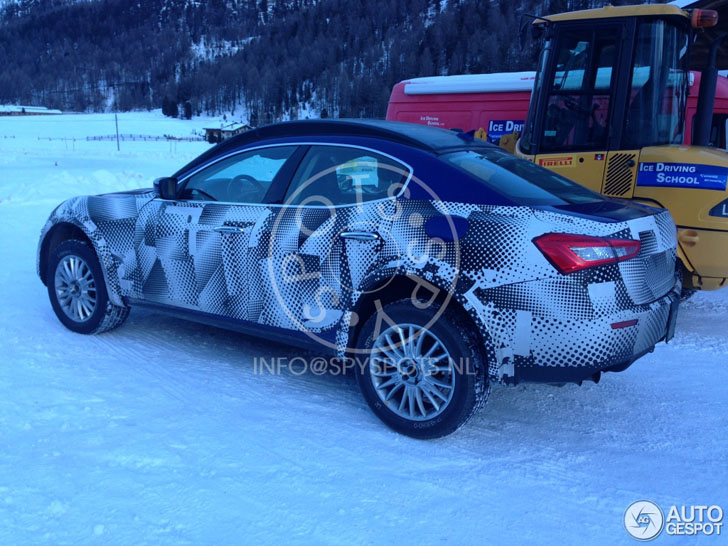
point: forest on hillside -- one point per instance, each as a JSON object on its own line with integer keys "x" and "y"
{"x": 273, "y": 57}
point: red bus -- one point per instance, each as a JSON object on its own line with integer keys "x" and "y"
{"x": 497, "y": 104}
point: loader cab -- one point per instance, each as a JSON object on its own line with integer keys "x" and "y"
{"x": 610, "y": 82}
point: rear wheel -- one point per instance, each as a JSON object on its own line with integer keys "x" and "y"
{"x": 77, "y": 290}
{"x": 423, "y": 380}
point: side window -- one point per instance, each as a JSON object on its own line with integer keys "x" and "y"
{"x": 577, "y": 111}
{"x": 242, "y": 178}
{"x": 342, "y": 176}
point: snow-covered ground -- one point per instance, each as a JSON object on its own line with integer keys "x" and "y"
{"x": 163, "y": 431}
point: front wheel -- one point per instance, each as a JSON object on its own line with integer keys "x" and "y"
{"x": 77, "y": 290}
{"x": 423, "y": 378}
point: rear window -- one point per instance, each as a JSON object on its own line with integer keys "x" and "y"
{"x": 520, "y": 180}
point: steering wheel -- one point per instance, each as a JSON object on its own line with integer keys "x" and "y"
{"x": 574, "y": 105}
{"x": 562, "y": 121}
{"x": 247, "y": 178}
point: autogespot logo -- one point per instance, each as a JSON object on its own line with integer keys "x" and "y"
{"x": 644, "y": 520}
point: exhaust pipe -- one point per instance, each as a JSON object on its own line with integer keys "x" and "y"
{"x": 706, "y": 96}
{"x": 595, "y": 377}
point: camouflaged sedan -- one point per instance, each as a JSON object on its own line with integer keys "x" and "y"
{"x": 433, "y": 263}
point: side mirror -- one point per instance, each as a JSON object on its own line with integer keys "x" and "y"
{"x": 166, "y": 187}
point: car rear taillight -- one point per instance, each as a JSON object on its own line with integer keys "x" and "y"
{"x": 569, "y": 253}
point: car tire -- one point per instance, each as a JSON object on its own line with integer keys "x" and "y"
{"x": 77, "y": 290}
{"x": 434, "y": 415}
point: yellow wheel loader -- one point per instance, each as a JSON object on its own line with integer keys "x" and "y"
{"x": 608, "y": 111}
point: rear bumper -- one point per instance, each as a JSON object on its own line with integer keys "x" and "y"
{"x": 562, "y": 375}
{"x": 604, "y": 344}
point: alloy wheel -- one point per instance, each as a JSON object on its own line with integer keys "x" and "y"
{"x": 412, "y": 372}
{"x": 75, "y": 288}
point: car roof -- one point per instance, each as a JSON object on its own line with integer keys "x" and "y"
{"x": 430, "y": 139}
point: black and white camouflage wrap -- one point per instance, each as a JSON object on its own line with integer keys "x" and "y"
{"x": 288, "y": 268}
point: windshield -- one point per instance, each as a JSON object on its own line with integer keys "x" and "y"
{"x": 659, "y": 88}
{"x": 519, "y": 180}
{"x": 580, "y": 89}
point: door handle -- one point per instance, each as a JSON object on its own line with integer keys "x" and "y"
{"x": 359, "y": 235}
{"x": 229, "y": 229}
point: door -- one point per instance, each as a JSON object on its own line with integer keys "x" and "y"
{"x": 197, "y": 247}
{"x": 657, "y": 90}
{"x": 579, "y": 103}
{"x": 327, "y": 238}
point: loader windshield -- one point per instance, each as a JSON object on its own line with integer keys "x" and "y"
{"x": 580, "y": 88}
